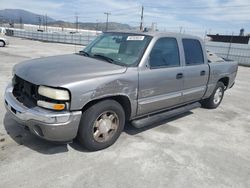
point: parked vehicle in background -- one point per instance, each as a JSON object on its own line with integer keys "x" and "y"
{"x": 2, "y": 31}
{"x": 136, "y": 77}
{"x": 3, "y": 41}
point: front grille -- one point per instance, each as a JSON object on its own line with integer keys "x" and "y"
{"x": 25, "y": 92}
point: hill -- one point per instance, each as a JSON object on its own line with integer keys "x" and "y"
{"x": 92, "y": 26}
{"x": 14, "y": 16}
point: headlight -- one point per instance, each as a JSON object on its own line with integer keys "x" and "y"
{"x": 52, "y": 93}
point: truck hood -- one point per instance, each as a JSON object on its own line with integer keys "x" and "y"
{"x": 64, "y": 69}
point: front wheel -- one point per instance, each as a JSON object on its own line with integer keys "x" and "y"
{"x": 215, "y": 99}
{"x": 101, "y": 125}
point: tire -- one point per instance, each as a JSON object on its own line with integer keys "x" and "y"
{"x": 101, "y": 125}
{"x": 215, "y": 99}
{"x": 2, "y": 43}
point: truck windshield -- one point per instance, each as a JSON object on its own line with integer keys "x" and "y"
{"x": 119, "y": 48}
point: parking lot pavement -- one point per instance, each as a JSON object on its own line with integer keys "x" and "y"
{"x": 202, "y": 148}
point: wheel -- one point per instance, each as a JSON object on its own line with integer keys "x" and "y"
{"x": 101, "y": 125}
{"x": 2, "y": 44}
{"x": 215, "y": 99}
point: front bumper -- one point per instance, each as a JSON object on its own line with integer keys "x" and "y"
{"x": 47, "y": 124}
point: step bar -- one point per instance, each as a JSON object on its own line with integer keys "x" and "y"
{"x": 151, "y": 119}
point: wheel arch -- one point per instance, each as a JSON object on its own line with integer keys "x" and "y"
{"x": 225, "y": 81}
{"x": 123, "y": 100}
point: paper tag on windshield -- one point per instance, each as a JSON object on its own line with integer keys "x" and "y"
{"x": 135, "y": 38}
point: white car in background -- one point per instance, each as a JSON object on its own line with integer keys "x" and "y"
{"x": 3, "y": 42}
{"x": 2, "y": 30}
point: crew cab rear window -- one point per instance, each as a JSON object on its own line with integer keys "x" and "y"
{"x": 193, "y": 52}
{"x": 165, "y": 53}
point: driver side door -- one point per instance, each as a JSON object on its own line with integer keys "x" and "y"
{"x": 160, "y": 86}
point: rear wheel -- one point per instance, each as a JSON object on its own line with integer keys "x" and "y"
{"x": 2, "y": 44}
{"x": 101, "y": 125}
{"x": 215, "y": 99}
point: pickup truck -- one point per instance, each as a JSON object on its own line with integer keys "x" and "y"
{"x": 120, "y": 77}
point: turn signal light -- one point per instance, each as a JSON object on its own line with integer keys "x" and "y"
{"x": 59, "y": 106}
{"x": 49, "y": 105}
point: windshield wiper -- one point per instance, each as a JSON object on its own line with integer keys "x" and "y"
{"x": 84, "y": 53}
{"x": 108, "y": 59}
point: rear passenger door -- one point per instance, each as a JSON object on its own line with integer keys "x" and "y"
{"x": 196, "y": 71}
{"x": 160, "y": 85}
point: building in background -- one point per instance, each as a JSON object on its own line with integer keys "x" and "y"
{"x": 238, "y": 39}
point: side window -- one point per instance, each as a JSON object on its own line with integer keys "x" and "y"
{"x": 193, "y": 52}
{"x": 165, "y": 53}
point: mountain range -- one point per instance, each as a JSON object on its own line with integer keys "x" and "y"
{"x": 27, "y": 17}
{"x": 14, "y": 15}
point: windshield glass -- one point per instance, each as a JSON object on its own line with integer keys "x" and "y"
{"x": 122, "y": 48}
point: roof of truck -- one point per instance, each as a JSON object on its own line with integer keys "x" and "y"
{"x": 156, "y": 33}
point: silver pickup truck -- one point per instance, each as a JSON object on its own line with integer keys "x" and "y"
{"x": 120, "y": 77}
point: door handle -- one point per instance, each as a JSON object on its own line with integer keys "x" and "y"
{"x": 202, "y": 73}
{"x": 179, "y": 76}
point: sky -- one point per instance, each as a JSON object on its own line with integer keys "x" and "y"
{"x": 190, "y": 16}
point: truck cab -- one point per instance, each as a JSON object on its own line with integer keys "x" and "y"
{"x": 177, "y": 68}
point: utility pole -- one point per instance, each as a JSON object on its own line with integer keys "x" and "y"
{"x": 229, "y": 48}
{"x": 77, "y": 23}
{"x": 107, "y": 21}
{"x": 180, "y": 29}
{"x": 43, "y": 23}
{"x": 1, "y": 20}
{"x": 39, "y": 21}
{"x": 46, "y": 22}
{"x": 141, "y": 25}
{"x": 21, "y": 22}
{"x": 97, "y": 25}
{"x": 205, "y": 36}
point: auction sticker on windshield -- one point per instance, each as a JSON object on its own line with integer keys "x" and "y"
{"x": 135, "y": 37}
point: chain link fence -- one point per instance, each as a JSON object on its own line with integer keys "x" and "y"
{"x": 67, "y": 38}
{"x": 237, "y": 52}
